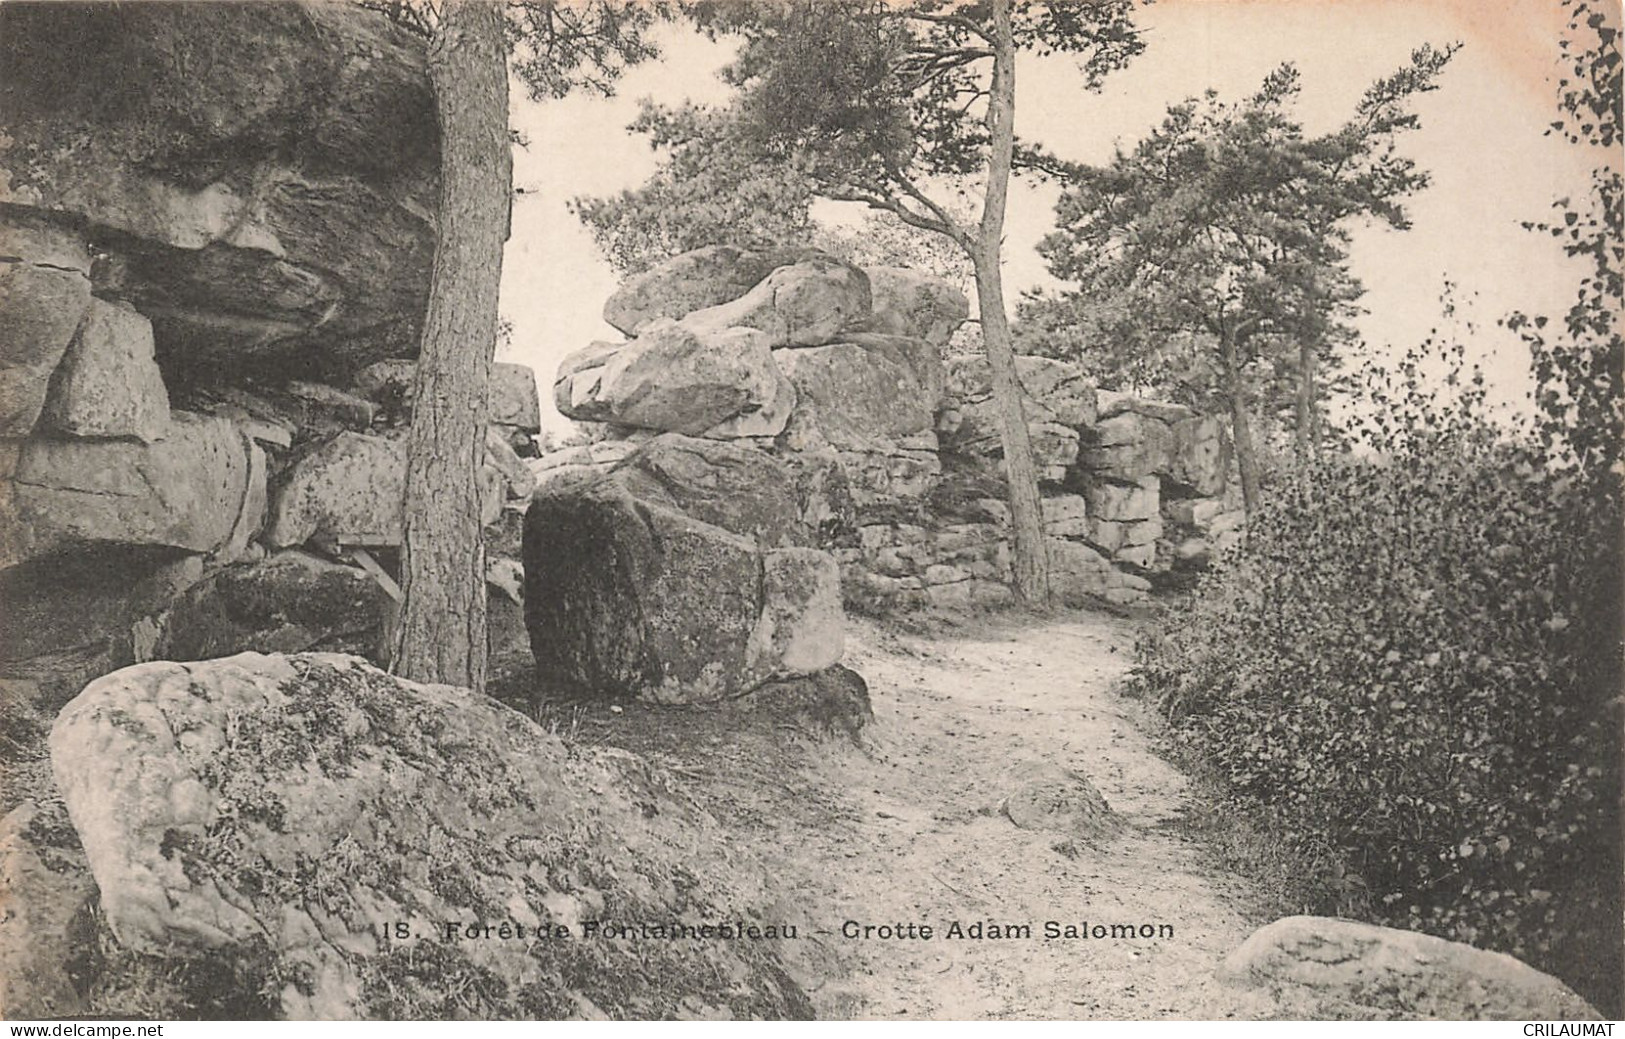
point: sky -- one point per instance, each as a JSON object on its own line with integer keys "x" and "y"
{"x": 1482, "y": 138}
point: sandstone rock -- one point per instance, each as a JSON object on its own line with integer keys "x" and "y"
{"x": 738, "y": 488}
{"x": 1193, "y": 554}
{"x": 284, "y": 215}
{"x": 387, "y": 383}
{"x": 319, "y": 401}
{"x": 45, "y": 927}
{"x": 891, "y": 471}
{"x": 1379, "y": 972}
{"x": 625, "y": 596}
{"x": 832, "y": 702}
{"x": 288, "y": 602}
{"x": 517, "y": 479}
{"x": 108, "y": 384}
{"x": 1139, "y": 438}
{"x": 1193, "y": 512}
{"x": 801, "y": 627}
{"x": 1141, "y": 557}
{"x": 514, "y": 401}
{"x": 808, "y": 303}
{"x": 1058, "y": 402}
{"x": 675, "y": 379}
{"x": 911, "y": 303}
{"x": 391, "y": 384}
{"x": 251, "y": 511}
{"x": 1124, "y": 502}
{"x": 769, "y": 420}
{"x": 1066, "y": 515}
{"x": 43, "y": 240}
{"x": 1059, "y": 800}
{"x": 275, "y": 814}
{"x": 1056, "y": 391}
{"x": 1200, "y": 461}
{"x": 601, "y": 456}
{"x": 349, "y": 490}
{"x": 855, "y": 395}
{"x": 694, "y": 281}
{"x": 188, "y": 491}
{"x": 40, "y": 309}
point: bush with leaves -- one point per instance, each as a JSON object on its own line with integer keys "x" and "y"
{"x": 1415, "y": 660}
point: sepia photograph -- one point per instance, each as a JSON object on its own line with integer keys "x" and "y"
{"x": 861, "y": 510}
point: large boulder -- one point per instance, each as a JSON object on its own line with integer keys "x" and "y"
{"x": 349, "y": 490}
{"x": 1057, "y": 399}
{"x": 514, "y": 400}
{"x": 804, "y": 304}
{"x": 44, "y": 293}
{"x": 877, "y": 467}
{"x": 198, "y": 489}
{"x": 732, "y": 486}
{"x": 46, "y": 928}
{"x": 1135, "y": 438}
{"x": 287, "y": 603}
{"x": 391, "y": 384}
{"x": 598, "y": 457}
{"x": 1053, "y": 391}
{"x": 260, "y": 178}
{"x": 279, "y": 817}
{"x": 628, "y": 596}
{"x": 1365, "y": 971}
{"x": 856, "y": 392}
{"x": 108, "y": 384}
{"x": 912, "y": 303}
{"x": 672, "y": 377}
{"x": 694, "y": 281}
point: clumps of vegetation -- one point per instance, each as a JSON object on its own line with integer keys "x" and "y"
{"x": 1414, "y": 661}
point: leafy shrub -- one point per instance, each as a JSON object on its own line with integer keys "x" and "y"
{"x": 1415, "y": 659}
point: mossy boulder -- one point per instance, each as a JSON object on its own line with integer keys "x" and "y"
{"x": 331, "y": 833}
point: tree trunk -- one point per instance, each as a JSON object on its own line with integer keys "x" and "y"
{"x": 1029, "y": 552}
{"x": 1241, "y": 426}
{"x": 1306, "y": 431}
{"x": 441, "y": 633}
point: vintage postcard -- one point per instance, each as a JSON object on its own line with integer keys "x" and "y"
{"x": 811, "y": 509}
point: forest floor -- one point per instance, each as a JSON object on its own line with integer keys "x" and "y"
{"x": 906, "y": 828}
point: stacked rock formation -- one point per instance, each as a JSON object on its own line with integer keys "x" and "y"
{"x": 890, "y": 446}
{"x": 210, "y": 290}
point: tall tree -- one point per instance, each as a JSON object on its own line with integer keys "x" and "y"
{"x": 1214, "y": 255}
{"x": 440, "y": 632}
{"x": 892, "y": 106}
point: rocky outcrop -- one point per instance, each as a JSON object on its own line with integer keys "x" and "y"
{"x": 44, "y": 294}
{"x": 216, "y": 225}
{"x": 280, "y": 816}
{"x": 914, "y": 304}
{"x": 190, "y": 491}
{"x": 108, "y": 384}
{"x": 1058, "y": 403}
{"x": 728, "y": 485}
{"x": 630, "y": 592}
{"x": 883, "y": 435}
{"x": 282, "y": 215}
{"x": 803, "y": 304}
{"x": 673, "y": 377}
{"x": 1137, "y": 438}
{"x": 1367, "y": 972}
{"x": 46, "y": 935}
{"x": 286, "y": 603}
{"x": 350, "y": 491}
{"x": 693, "y": 281}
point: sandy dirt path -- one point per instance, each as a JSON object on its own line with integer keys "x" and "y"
{"x": 916, "y": 837}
